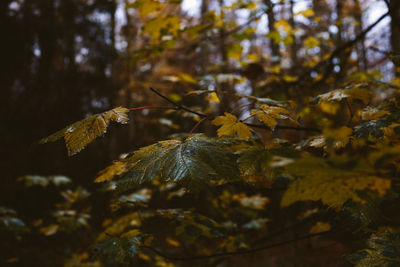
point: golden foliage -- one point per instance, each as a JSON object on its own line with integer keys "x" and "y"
{"x": 231, "y": 126}
{"x": 269, "y": 114}
{"x": 83, "y": 132}
{"x": 356, "y": 92}
{"x": 329, "y": 184}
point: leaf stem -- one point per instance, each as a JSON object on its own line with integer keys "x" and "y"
{"x": 208, "y": 117}
{"x": 197, "y": 125}
{"x": 176, "y": 104}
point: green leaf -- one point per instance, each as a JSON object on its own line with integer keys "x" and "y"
{"x": 194, "y": 161}
{"x": 383, "y": 251}
{"x": 83, "y": 132}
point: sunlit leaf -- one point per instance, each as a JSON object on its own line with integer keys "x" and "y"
{"x": 354, "y": 92}
{"x": 230, "y": 126}
{"x": 83, "y": 132}
{"x": 370, "y": 113}
{"x": 269, "y": 114}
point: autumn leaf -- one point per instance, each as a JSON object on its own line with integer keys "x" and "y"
{"x": 320, "y": 227}
{"x": 83, "y": 132}
{"x": 311, "y": 42}
{"x": 333, "y": 185}
{"x": 230, "y": 126}
{"x": 351, "y": 92}
{"x": 269, "y": 114}
{"x": 338, "y": 138}
{"x": 371, "y": 113}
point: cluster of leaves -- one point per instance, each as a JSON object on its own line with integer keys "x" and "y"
{"x": 325, "y": 165}
{"x": 349, "y": 169}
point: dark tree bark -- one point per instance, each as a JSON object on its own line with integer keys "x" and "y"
{"x": 394, "y": 10}
{"x": 271, "y": 21}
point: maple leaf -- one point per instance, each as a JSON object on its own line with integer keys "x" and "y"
{"x": 193, "y": 161}
{"x": 269, "y": 114}
{"x": 333, "y": 185}
{"x": 231, "y": 126}
{"x": 83, "y": 132}
{"x": 370, "y": 113}
{"x": 351, "y": 92}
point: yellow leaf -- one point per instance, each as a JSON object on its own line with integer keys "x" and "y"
{"x": 354, "y": 93}
{"x": 284, "y": 25}
{"x": 289, "y": 78}
{"x": 340, "y": 136}
{"x": 318, "y": 180}
{"x": 213, "y": 97}
{"x": 320, "y": 227}
{"x": 186, "y": 77}
{"x": 306, "y": 13}
{"x": 172, "y": 242}
{"x": 230, "y": 126}
{"x": 269, "y": 114}
{"x": 329, "y": 107}
{"x": 117, "y": 168}
{"x": 311, "y": 42}
{"x": 146, "y": 7}
{"x": 234, "y": 51}
{"x": 49, "y": 230}
{"x": 370, "y": 113}
{"x": 83, "y": 132}
{"x": 156, "y": 26}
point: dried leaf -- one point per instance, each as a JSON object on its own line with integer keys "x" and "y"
{"x": 83, "y": 132}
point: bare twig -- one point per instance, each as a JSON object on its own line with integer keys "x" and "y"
{"x": 342, "y": 48}
{"x": 177, "y": 105}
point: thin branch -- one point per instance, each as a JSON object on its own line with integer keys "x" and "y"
{"x": 307, "y": 129}
{"x": 197, "y": 125}
{"x": 153, "y": 107}
{"x": 176, "y": 104}
{"x": 209, "y": 117}
{"x": 233, "y": 253}
{"x": 341, "y": 48}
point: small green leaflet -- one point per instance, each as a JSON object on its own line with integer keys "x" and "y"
{"x": 83, "y": 132}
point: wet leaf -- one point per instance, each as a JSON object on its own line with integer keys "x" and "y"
{"x": 194, "y": 161}
{"x": 83, "y": 132}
